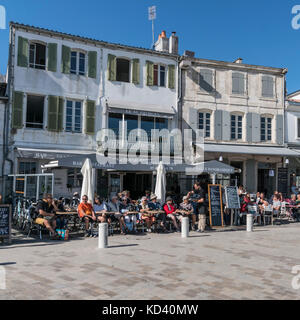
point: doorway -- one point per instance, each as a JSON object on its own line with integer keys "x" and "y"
{"x": 266, "y": 181}
{"x": 137, "y": 183}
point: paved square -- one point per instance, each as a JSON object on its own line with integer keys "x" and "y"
{"x": 214, "y": 265}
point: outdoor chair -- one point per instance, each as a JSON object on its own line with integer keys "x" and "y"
{"x": 268, "y": 213}
{"x": 253, "y": 209}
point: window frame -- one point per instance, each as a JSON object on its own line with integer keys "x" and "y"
{"x": 266, "y": 134}
{"x": 77, "y": 71}
{"x": 44, "y": 112}
{"x": 237, "y": 126}
{"x": 129, "y": 69}
{"x": 74, "y": 101}
{"x": 159, "y": 65}
{"x": 35, "y": 42}
{"x": 205, "y": 113}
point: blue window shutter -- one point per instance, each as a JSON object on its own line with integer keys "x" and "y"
{"x": 218, "y": 125}
{"x": 279, "y": 129}
{"x": 225, "y": 125}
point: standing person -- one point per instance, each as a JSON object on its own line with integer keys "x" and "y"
{"x": 294, "y": 188}
{"x": 46, "y": 214}
{"x": 197, "y": 196}
{"x": 87, "y": 214}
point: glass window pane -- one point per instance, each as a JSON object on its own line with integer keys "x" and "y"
{"x": 81, "y": 63}
{"x": 162, "y": 76}
{"x": 113, "y": 122}
{"x": 73, "y": 62}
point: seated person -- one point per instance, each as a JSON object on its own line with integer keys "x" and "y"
{"x": 128, "y": 218}
{"x": 87, "y": 214}
{"x": 145, "y": 214}
{"x": 170, "y": 210}
{"x": 114, "y": 206}
{"x": 276, "y": 204}
{"x": 100, "y": 211}
{"x": 186, "y": 206}
{"x": 126, "y": 195}
{"x": 244, "y": 203}
{"x": 46, "y": 214}
{"x": 61, "y": 222}
{"x": 156, "y": 206}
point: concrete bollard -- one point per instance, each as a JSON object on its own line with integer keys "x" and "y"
{"x": 249, "y": 222}
{"x": 103, "y": 236}
{"x": 185, "y": 225}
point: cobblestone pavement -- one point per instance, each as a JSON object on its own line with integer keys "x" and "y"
{"x": 213, "y": 265}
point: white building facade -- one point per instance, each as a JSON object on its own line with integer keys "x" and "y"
{"x": 63, "y": 89}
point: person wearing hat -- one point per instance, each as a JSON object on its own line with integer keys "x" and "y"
{"x": 129, "y": 219}
{"x": 187, "y": 207}
{"x": 170, "y": 211}
{"x": 114, "y": 206}
{"x": 145, "y": 214}
{"x": 155, "y": 205}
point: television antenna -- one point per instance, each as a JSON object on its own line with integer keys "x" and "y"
{"x": 152, "y": 17}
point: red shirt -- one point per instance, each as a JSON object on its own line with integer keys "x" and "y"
{"x": 169, "y": 209}
{"x": 86, "y": 208}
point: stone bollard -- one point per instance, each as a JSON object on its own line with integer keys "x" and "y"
{"x": 103, "y": 236}
{"x": 249, "y": 222}
{"x": 185, "y": 225}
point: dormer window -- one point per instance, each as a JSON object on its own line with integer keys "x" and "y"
{"x": 37, "y": 56}
{"x": 78, "y": 63}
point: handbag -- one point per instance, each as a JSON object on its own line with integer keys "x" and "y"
{"x": 63, "y": 234}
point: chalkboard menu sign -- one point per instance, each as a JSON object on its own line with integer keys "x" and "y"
{"x": 282, "y": 180}
{"x": 215, "y": 205}
{"x": 232, "y": 198}
{"x": 5, "y": 221}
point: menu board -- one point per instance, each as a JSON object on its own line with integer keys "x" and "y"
{"x": 5, "y": 221}
{"x": 215, "y": 205}
{"x": 282, "y": 180}
{"x": 232, "y": 198}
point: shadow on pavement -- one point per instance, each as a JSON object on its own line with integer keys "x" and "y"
{"x": 123, "y": 245}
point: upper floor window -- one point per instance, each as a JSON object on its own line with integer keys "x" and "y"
{"x": 35, "y": 112}
{"x": 73, "y": 116}
{"x": 267, "y": 87}
{"x": 266, "y": 129}
{"x": 159, "y": 75}
{"x": 238, "y": 83}
{"x": 37, "y": 56}
{"x": 236, "y": 127}
{"x": 123, "y": 70}
{"x": 78, "y": 63}
{"x": 204, "y": 123}
{"x": 298, "y": 129}
{"x": 206, "y": 80}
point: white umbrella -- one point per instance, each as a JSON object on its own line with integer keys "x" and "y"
{"x": 160, "y": 187}
{"x": 88, "y": 180}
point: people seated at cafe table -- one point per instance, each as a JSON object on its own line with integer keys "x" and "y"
{"x": 45, "y": 210}
{"x": 170, "y": 210}
{"x": 115, "y": 213}
{"x": 126, "y": 210}
{"x": 101, "y": 209}
{"x": 188, "y": 210}
{"x": 156, "y": 206}
{"x": 145, "y": 213}
{"x": 87, "y": 214}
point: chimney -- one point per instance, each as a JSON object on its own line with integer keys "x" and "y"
{"x": 173, "y": 43}
{"x": 162, "y": 44}
{"x": 190, "y": 54}
{"x": 238, "y": 60}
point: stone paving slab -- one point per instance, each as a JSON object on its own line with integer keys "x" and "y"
{"x": 213, "y": 265}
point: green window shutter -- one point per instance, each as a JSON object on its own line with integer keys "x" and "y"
{"x": 52, "y": 57}
{"x": 112, "y": 67}
{"x": 53, "y": 113}
{"x": 150, "y": 73}
{"x": 171, "y": 76}
{"x": 60, "y": 114}
{"x": 90, "y": 117}
{"x": 65, "y": 59}
{"x": 93, "y": 64}
{"x": 136, "y": 71}
{"x": 23, "y": 52}
{"x": 17, "y": 110}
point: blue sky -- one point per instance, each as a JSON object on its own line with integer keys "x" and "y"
{"x": 259, "y": 31}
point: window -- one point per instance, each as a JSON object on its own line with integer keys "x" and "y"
{"x": 298, "y": 122}
{"x": 35, "y": 112}
{"x": 27, "y": 167}
{"x": 204, "y": 123}
{"x": 114, "y": 120}
{"x": 74, "y": 178}
{"x": 206, "y": 80}
{"x": 37, "y": 56}
{"x": 73, "y": 116}
{"x": 77, "y": 63}
{"x": 236, "y": 127}
{"x": 266, "y": 129}
{"x": 159, "y": 75}
{"x": 123, "y": 66}
{"x": 267, "y": 87}
{"x": 238, "y": 83}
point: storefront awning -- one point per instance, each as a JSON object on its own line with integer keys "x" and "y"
{"x": 147, "y": 110}
{"x": 210, "y": 167}
{"x": 256, "y": 150}
{"x": 49, "y": 154}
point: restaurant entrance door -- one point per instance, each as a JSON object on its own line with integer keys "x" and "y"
{"x": 137, "y": 183}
